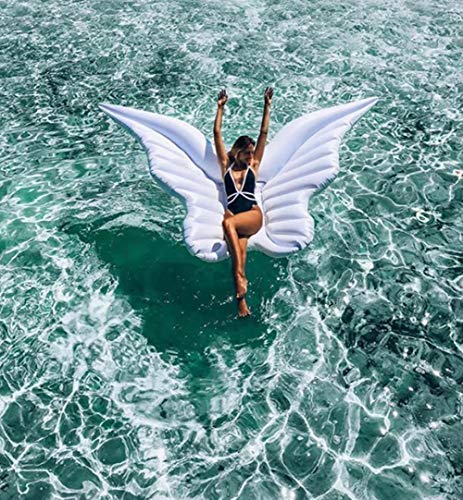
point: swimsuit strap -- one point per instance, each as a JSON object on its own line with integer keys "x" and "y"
{"x": 246, "y": 194}
{"x": 233, "y": 179}
{"x": 232, "y": 197}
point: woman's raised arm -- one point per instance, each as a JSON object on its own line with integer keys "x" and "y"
{"x": 260, "y": 146}
{"x": 218, "y": 140}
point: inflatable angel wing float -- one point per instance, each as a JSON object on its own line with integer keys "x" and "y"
{"x": 302, "y": 158}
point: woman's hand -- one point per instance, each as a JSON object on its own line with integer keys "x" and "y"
{"x": 222, "y": 98}
{"x": 268, "y": 96}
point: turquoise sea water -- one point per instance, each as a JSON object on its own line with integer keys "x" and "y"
{"x": 124, "y": 372}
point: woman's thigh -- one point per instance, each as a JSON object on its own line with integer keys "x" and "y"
{"x": 248, "y": 223}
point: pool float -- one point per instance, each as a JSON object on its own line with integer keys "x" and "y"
{"x": 302, "y": 158}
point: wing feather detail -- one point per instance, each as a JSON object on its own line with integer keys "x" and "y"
{"x": 183, "y": 161}
{"x": 302, "y": 158}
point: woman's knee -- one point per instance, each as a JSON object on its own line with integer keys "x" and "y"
{"x": 227, "y": 224}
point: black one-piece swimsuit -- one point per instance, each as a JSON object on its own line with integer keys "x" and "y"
{"x": 240, "y": 200}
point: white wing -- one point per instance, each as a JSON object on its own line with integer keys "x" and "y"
{"x": 302, "y": 158}
{"x": 183, "y": 160}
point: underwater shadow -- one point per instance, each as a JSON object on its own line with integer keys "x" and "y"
{"x": 186, "y": 304}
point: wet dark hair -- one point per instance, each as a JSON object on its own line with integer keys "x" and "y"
{"x": 241, "y": 143}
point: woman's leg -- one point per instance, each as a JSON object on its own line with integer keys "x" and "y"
{"x": 243, "y": 309}
{"x": 232, "y": 239}
{"x": 243, "y": 246}
{"x": 241, "y": 281}
{"x": 237, "y": 267}
{"x": 242, "y": 225}
{"x": 247, "y": 223}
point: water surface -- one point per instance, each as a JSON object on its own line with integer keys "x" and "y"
{"x": 123, "y": 370}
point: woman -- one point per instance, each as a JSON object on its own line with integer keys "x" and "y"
{"x": 243, "y": 217}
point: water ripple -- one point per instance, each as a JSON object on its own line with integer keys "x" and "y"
{"x": 124, "y": 373}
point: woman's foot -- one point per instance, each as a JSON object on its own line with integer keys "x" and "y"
{"x": 243, "y": 309}
{"x": 241, "y": 285}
